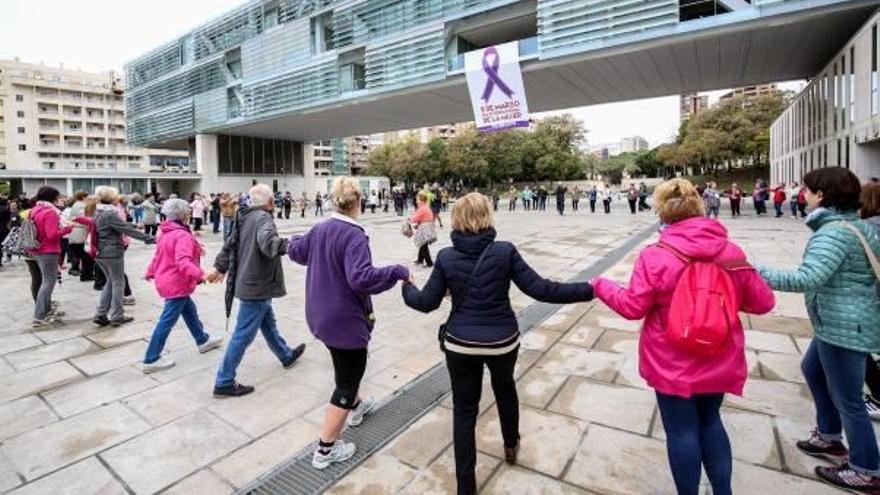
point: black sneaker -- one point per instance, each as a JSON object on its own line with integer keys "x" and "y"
{"x": 817, "y": 447}
{"x": 300, "y": 349}
{"x": 122, "y": 320}
{"x": 101, "y": 321}
{"x": 234, "y": 390}
{"x": 845, "y": 477}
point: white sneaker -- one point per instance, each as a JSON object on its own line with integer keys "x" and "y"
{"x": 45, "y": 322}
{"x": 163, "y": 363}
{"x": 340, "y": 452}
{"x": 128, "y": 301}
{"x": 356, "y": 416}
{"x": 211, "y": 343}
{"x": 873, "y": 408}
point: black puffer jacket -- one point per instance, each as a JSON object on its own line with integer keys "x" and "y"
{"x": 486, "y": 316}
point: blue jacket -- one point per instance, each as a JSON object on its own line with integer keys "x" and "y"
{"x": 486, "y": 316}
{"x": 838, "y": 282}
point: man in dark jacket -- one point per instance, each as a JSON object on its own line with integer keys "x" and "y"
{"x": 251, "y": 257}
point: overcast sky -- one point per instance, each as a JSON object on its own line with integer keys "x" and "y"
{"x": 100, "y": 35}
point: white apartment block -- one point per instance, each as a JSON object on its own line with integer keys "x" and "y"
{"x": 633, "y": 144}
{"x": 66, "y": 128}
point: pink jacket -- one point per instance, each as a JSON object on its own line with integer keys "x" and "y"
{"x": 49, "y": 232}
{"x": 648, "y": 296}
{"x": 175, "y": 266}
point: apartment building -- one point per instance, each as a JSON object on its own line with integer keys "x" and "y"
{"x": 633, "y": 144}
{"x": 692, "y": 104}
{"x": 66, "y": 128}
{"x": 751, "y": 93}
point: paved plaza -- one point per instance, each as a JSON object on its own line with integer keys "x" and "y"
{"x": 77, "y": 416}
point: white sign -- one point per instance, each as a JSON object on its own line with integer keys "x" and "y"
{"x": 495, "y": 84}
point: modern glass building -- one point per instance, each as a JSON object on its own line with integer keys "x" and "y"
{"x": 245, "y": 89}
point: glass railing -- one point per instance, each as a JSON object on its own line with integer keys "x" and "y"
{"x": 528, "y": 48}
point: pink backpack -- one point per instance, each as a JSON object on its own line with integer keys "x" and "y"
{"x": 705, "y": 305}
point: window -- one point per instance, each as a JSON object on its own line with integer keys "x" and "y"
{"x": 19, "y": 114}
{"x": 19, "y": 98}
{"x": 22, "y": 147}
{"x": 874, "y": 101}
{"x": 852, "y": 84}
{"x": 49, "y": 165}
{"x": 21, "y": 130}
{"x": 847, "y": 152}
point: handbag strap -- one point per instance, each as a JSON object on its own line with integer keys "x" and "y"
{"x": 872, "y": 257}
{"x": 467, "y": 286}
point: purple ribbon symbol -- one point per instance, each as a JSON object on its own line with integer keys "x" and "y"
{"x": 491, "y": 70}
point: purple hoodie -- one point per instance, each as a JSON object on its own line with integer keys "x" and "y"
{"x": 339, "y": 281}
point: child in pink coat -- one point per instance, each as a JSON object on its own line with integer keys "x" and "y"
{"x": 176, "y": 272}
{"x": 689, "y": 388}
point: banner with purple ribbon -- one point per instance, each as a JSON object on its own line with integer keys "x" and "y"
{"x": 496, "y": 88}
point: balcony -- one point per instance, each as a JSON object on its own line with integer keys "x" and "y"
{"x": 528, "y": 49}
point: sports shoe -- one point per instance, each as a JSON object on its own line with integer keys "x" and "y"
{"x": 101, "y": 321}
{"x": 833, "y": 450}
{"x": 873, "y": 407}
{"x": 122, "y": 320}
{"x": 340, "y": 452}
{"x": 300, "y": 349}
{"x": 163, "y": 363}
{"x": 234, "y": 390}
{"x": 356, "y": 416}
{"x": 56, "y": 313}
{"x": 45, "y": 322}
{"x": 845, "y": 477}
{"x": 211, "y": 343}
{"x": 128, "y": 301}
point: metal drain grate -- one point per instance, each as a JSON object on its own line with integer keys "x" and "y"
{"x": 297, "y": 476}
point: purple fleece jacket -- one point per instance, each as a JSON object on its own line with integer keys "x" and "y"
{"x": 339, "y": 281}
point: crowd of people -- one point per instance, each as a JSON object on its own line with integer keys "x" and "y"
{"x": 689, "y": 288}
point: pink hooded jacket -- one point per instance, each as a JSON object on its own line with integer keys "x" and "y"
{"x": 649, "y": 294}
{"x": 175, "y": 266}
{"x": 47, "y": 218}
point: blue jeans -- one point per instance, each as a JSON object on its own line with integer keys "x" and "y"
{"x": 174, "y": 309}
{"x": 227, "y": 227}
{"x": 778, "y": 208}
{"x": 793, "y": 206}
{"x": 252, "y": 315}
{"x": 836, "y": 376}
{"x": 695, "y": 438}
{"x": 138, "y": 215}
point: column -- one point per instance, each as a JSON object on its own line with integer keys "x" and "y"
{"x": 308, "y": 168}
{"x": 207, "y": 161}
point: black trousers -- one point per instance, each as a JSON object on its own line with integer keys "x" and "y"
{"x": 607, "y": 204}
{"x": 349, "y": 366}
{"x": 151, "y": 229}
{"x": 101, "y": 280}
{"x": 734, "y": 207}
{"x": 425, "y": 255}
{"x": 36, "y": 277}
{"x": 592, "y": 206}
{"x": 466, "y": 375}
{"x": 632, "y": 206}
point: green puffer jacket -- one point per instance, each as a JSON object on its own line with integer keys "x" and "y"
{"x": 838, "y": 282}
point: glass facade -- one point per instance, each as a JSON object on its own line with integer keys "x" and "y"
{"x": 244, "y": 155}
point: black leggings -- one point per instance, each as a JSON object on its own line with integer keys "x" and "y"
{"x": 36, "y": 277}
{"x": 101, "y": 279}
{"x": 466, "y": 374}
{"x": 425, "y": 255}
{"x": 349, "y": 366}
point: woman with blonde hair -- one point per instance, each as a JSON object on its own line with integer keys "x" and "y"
{"x": 423, "y": 226}
{"x": 690, "y": 387}
{"x": 339, "y": 282}
{"x": 482, "y": 328}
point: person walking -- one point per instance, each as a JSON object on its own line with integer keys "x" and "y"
{"x": 176, "y": 272}
{"x": 151, "y": 216}
{"x": 77, "y": 237}
{"x": 735, "y": 195}
{"x": 560, "y": 199}
{"x": 689, "y": 387}
{"x": 841, "y": 292}
{"x": 5, "y": 224}
{"x": 437, "y": 204}
{"x": 792, "y": 193}
{"x": 592, "y": 196}
{"x": 423, "y": 222}
{"x": 779, "y": 199}
{"x": 605, "y": 196}
{"x": 575, "y": 198}
{"x": 111, "y": 230}
{"x": 632, "y": 196}
{"x": 251, "y": 258}
{"x": 228, "y": 207}
{"x": 870, "y": 213}
{"x": 47, "y": 221}
{"x": 303, "y": 204}
{"x": 287, "y": 205}
{"x": 340, "y": 279}
{"x": 643, "y": 197}
{"x": 319, "y": 204}
{"x": 712, "y": 200}
{"x": 759, "y": 197}
{"x": 198, "y": 212}
{"x": 495, "y": 199}
{"x": 511, "y": 199}
{"x": 481, "y": 329}
{"x": 802, "y": 202}
{"x": 215, "y": 213}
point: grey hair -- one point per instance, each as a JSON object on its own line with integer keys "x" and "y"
{"x": 106, "y": 194}
{"x": 261, "y": 195}
{"x": 175, "y": 209}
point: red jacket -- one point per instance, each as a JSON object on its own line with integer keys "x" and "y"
{"x": 779, "y": 195}
{"x": 49, "y": 232}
